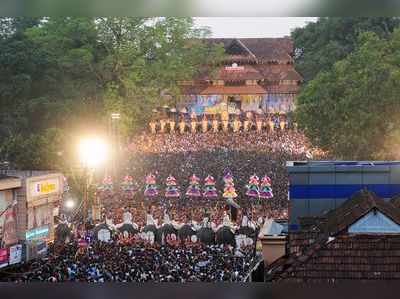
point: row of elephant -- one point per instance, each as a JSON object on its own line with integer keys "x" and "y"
{"x": 243, "y": 236}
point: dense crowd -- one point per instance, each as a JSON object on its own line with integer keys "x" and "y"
{"x": 181, "y": 155}
{"x": 288, "y": 142}
{"x": 115, "y": 262}
{"x": 243, "y": 153}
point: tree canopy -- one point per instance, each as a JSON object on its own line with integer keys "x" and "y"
{"x": 352, "y": 108}
{"x": 320, "y": 44}
{"x": 62, "y": 76}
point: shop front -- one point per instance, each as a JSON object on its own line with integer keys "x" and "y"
{"x": 8, "y": 225}
{"x": 43, "y": 195}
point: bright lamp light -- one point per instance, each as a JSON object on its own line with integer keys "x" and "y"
{"x": 69, "y": 204}
{"x": 92, "y": 151}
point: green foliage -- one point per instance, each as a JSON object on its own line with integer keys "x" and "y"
{"x": 319, "y": 45}
{"x": 62, "y": 77}
{"x": 353, "y": 109}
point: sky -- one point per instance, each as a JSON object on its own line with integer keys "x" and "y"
{"x": 252, "y": 27}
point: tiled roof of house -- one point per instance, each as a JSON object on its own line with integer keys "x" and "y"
{"x": 396, "y": 201}
{"x": 193, "y": 89}
{"x": 278, "y": 72}
{"x": 264, "y": 49}
{"x": 245, "y": 72}
{"x": 242, "y": 89}
{"x": 357, "y": 206}
{"x": 282, "y": 88}
{"x": 362, "y": 257}
{"x": 331, "y": 253}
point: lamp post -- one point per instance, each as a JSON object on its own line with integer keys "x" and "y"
{"x": 114, "y": 137}
{"x": 92, "y": 152}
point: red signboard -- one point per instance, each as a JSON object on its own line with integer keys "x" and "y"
{"x": 82, "y": 243}
{"x": 3, "y": 257}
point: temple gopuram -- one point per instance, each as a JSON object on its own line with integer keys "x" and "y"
{"x": 256, "y": 75}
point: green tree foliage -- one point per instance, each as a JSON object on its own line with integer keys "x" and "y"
{"x": 353, "y": 109}
{"x": 62, "y": 77}
{"x": 319, "y": 45}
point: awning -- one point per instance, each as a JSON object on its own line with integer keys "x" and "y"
{"x": 234, "y": 90}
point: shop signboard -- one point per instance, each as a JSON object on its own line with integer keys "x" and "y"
{"x": 45, "y": 187}
{"x": 15, "y": 254}
{"x": 38, "y": 233}
{"x": 3, "y": 257}
{"x": 41, "y": 248}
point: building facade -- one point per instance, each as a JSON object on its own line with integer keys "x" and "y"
{"x": 256, "y": 75}
{"x": 316, "y": 187}
{"x": 28, "y": 207}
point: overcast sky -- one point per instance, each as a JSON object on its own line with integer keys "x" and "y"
{"x": 252, "y": 27}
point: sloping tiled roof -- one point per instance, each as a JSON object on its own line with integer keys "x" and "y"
{"x": 396, "y": 201}
{"x": 357, "y": 206}
{"x": 354, "y": 256}
{"x": 278, "y": 72}
{"x": 243, "y": 89}
{"x": 223, "y": 73}
{"x": 265, "y": 49}
{"x": 333, "y": 254}
{"x": 193, "y": 89}
{"x": 281, "y": 88}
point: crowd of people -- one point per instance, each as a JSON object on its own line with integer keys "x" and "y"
{"x": 116, "y": 262}
{"x": 181, "y": 154}
{"x": 243, "y": 153}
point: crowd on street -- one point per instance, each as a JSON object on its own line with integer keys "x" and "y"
{"x": 180, "y": 155}
{"x": 115, "y": 262}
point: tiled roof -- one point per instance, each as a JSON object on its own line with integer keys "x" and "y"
{"x": 265, "y": 49}
{"x": 330, "y": 253}
{"x": 267, "y": 72}
{"x": 396, "y": 201}
{"x": 243, "y": 89}
{"x": 362, "y": 257}
{"x": 193, "y": 89}
{"x": 278, "y": 72}
{"x": 223, "y": 73}
{"x": 282, "y": 88}
{"x": 357, "y": 206}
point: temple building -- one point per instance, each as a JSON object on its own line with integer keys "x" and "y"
{"x": 257, "y": 73}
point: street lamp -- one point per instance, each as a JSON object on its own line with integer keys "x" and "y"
{"x": 69, "y": 204}
{"x": 114, "y": 140}
{"x": 92, "y": 152}
{"x": 115, "y": 116}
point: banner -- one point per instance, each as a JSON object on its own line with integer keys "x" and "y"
{"x": 3, "y": 257}
{"x": 41, "y": 248}
{"x": 278, "y": 102}
{"x": 15, "y": 254}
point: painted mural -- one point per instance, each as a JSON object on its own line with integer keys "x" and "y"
{"x": 216, "y": 104}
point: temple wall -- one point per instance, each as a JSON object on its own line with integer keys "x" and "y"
{"x": 211, "y": 104}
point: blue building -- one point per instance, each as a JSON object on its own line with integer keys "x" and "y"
{"x": 316, "y": 187}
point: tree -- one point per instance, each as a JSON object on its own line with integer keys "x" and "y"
{"x": 145, "y": 59}
{"x": 67, "y": 74}
{"x": 319, "y": 45}
{"x": 353, "y": 109}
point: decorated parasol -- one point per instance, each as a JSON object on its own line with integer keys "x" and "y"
{"x": 171, "y": 189}
{"x": 194, "y": 189}
{"x": 210, "y": 191}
